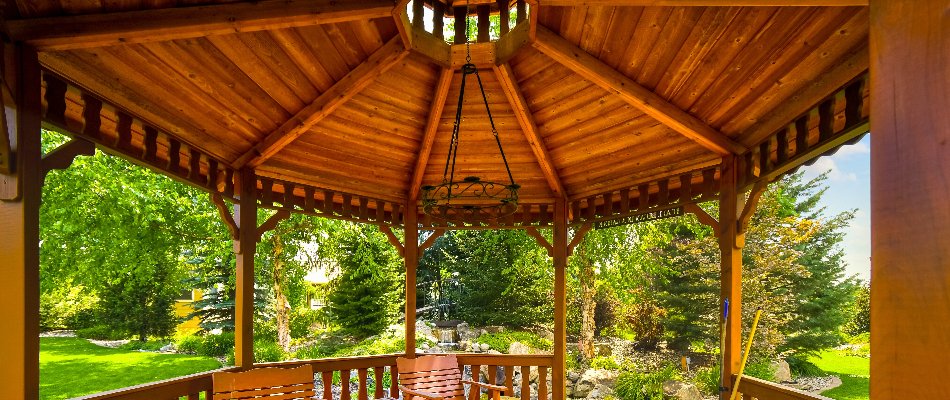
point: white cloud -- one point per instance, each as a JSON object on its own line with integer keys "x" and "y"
{"x": 854, "y": 149}
{"x": 828, "y": 164}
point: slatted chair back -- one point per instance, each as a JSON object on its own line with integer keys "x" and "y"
{"x": 269, "y": 383}
{"x": 439, "y": 375}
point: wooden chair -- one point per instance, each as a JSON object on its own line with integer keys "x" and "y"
{"x": 270, "y": 383}
{"x": 437, "y": 378}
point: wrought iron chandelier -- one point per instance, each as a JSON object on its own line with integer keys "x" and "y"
{"x": 471, "y": 199}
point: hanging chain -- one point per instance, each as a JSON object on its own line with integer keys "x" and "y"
{"x": 468, "y": 26}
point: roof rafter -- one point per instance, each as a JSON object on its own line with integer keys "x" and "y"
{"x": 709, "y": 3}
{"x": 650, "y": 103}
{"x": 359, "y": 78}
{"x": 432, "y": 126}
{"x": 520, "y": 106}
{"x": 97, "y": 30}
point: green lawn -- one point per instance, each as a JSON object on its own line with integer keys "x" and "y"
{"x": 71, "y": 367}
{"x": 855, "y": 373}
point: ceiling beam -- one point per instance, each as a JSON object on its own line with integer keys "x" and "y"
{"x": 644, "y": 99}
{"x": 97, "y": 30}
{"x": 432, "y": 126}
{"x": 520, "y": 106}
{"x": 705, "y": 3}
{"x": 359, "y": 78}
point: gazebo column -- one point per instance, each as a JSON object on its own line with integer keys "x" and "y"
{"x": 730, "y": 268}
{"x": 560, "y": 244}
{"x": 19, "y": 230}
{"x": 245, "y": 247}
{"x": 910, "y": 188}
{"x": 411, "y": 256}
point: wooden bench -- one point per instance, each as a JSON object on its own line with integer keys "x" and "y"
{"x": 271, "y": 383}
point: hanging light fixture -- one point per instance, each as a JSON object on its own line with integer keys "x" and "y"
{"x": 470, "y": 199}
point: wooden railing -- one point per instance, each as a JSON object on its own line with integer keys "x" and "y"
{"x": 482, "y": 9}
{"x": 375, "y": 378}
{"x": 509, "y": 364}
{"x": 757, "y": 389}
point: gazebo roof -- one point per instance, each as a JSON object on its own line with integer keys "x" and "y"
{"x": 349, "y": 105}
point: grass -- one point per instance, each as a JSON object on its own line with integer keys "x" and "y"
{"x": 855, "y": 373}
{"x": 71, "y": 367}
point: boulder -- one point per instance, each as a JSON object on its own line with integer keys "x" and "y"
{"x": 573, "y": 376}
{"x": 681, "y": 391}
{"x": 520, "y": 349}
{"x": 599, "y": 377}
{"x": 493, "y": 329}
{"x": 783, "y": 373}
{"x": 582, "y": 389}
{"x": 603, "y": 349}
{"x": 466, "y": 332}
{"x": 423, "y": 329}
{"x": 600, "y": 392}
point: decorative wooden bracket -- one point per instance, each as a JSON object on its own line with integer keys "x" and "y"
{"x": 431, "y": 240}
{"x": 742, "y": 222}
{"x": 704, "y": 217}
{"x": 62, "y": 157}
{"x": 533, "y": 232}
{"x": 272, "y": 222}
{"x": 578, "y": 237}
{"x": 393, "y": 239}
{"x": 228, "y": 218}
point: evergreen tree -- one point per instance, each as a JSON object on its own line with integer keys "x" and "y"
{"x": 368, "y": 294}
{"x": 792, "y": 268}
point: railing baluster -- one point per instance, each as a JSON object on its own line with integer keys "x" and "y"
{"x": 525, "y": 383}
{"x": 643, "y": 197}
{"x": 522, "y": 11}
{"x": 327, "y": 385}
{"x": 510, "y": 379}
{"x": 475, "y": 392}
{"x": 378, "y": 382}
{"x": 363, "y": 392}
{"x": 345, "y": 384}
{"x": 418, "y": 9}
{"x": 826, "y": 119}
{"x": 393, "y": 382}
{"x": 801, "y": 135}
{"x": 92, "y": 119}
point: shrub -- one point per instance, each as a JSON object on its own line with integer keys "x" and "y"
{"x": 268, "y": 351}
{"x": 604, "y": 363}
{"x": 302, "y": 321}
{"x": 190, "y": 344}
{"x": 102, "y": 332}
{"x": 802, "y": 367}
{"x": 218, "y": 345}
{"x": 67, "y": 307}
{"x": 632, "y": 385}
{"x": 761, "y": 369}
{"x": 707, "y": 380}
{"x": 501, "y": 341}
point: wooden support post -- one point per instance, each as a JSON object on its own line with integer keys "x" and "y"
{"x": 411, "y": 255}
{"x": 730, "y": 269}
{"x": 245, "y": 217}
{"x": 19, "y": 236}
{"x": 910, "y": 219}
{"x": 559, "y": 370}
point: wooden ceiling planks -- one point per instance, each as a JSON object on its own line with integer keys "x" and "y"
{"x": 741, "y": 71}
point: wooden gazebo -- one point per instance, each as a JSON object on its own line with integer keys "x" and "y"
{"x": 607, "y": 109}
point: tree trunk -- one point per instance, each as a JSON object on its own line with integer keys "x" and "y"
{"x": 280, "y": 303}
{"x": 588, "y": 305}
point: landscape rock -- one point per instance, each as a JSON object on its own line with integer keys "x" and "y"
{"x": 519, "y": 348}
{"x": 783, "y": 373}
{"x": 582, "y": 389}
{"x": 681, "y": 391}
{"x": 493, "y": 329}
{"x": 168, "y": 348}
{"x": 573, "y": 376}
{"x": 603, "y": 349}
{"x": 466, "y": 333}
{"x": 600, "y": 392}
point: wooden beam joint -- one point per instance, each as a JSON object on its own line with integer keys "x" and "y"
{"x": 579, "y": 235}
{"x": 542, "y": 241}
{"x": 393, "y": 240}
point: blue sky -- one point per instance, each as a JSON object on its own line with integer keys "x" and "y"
{"x": 850, "y": 189}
